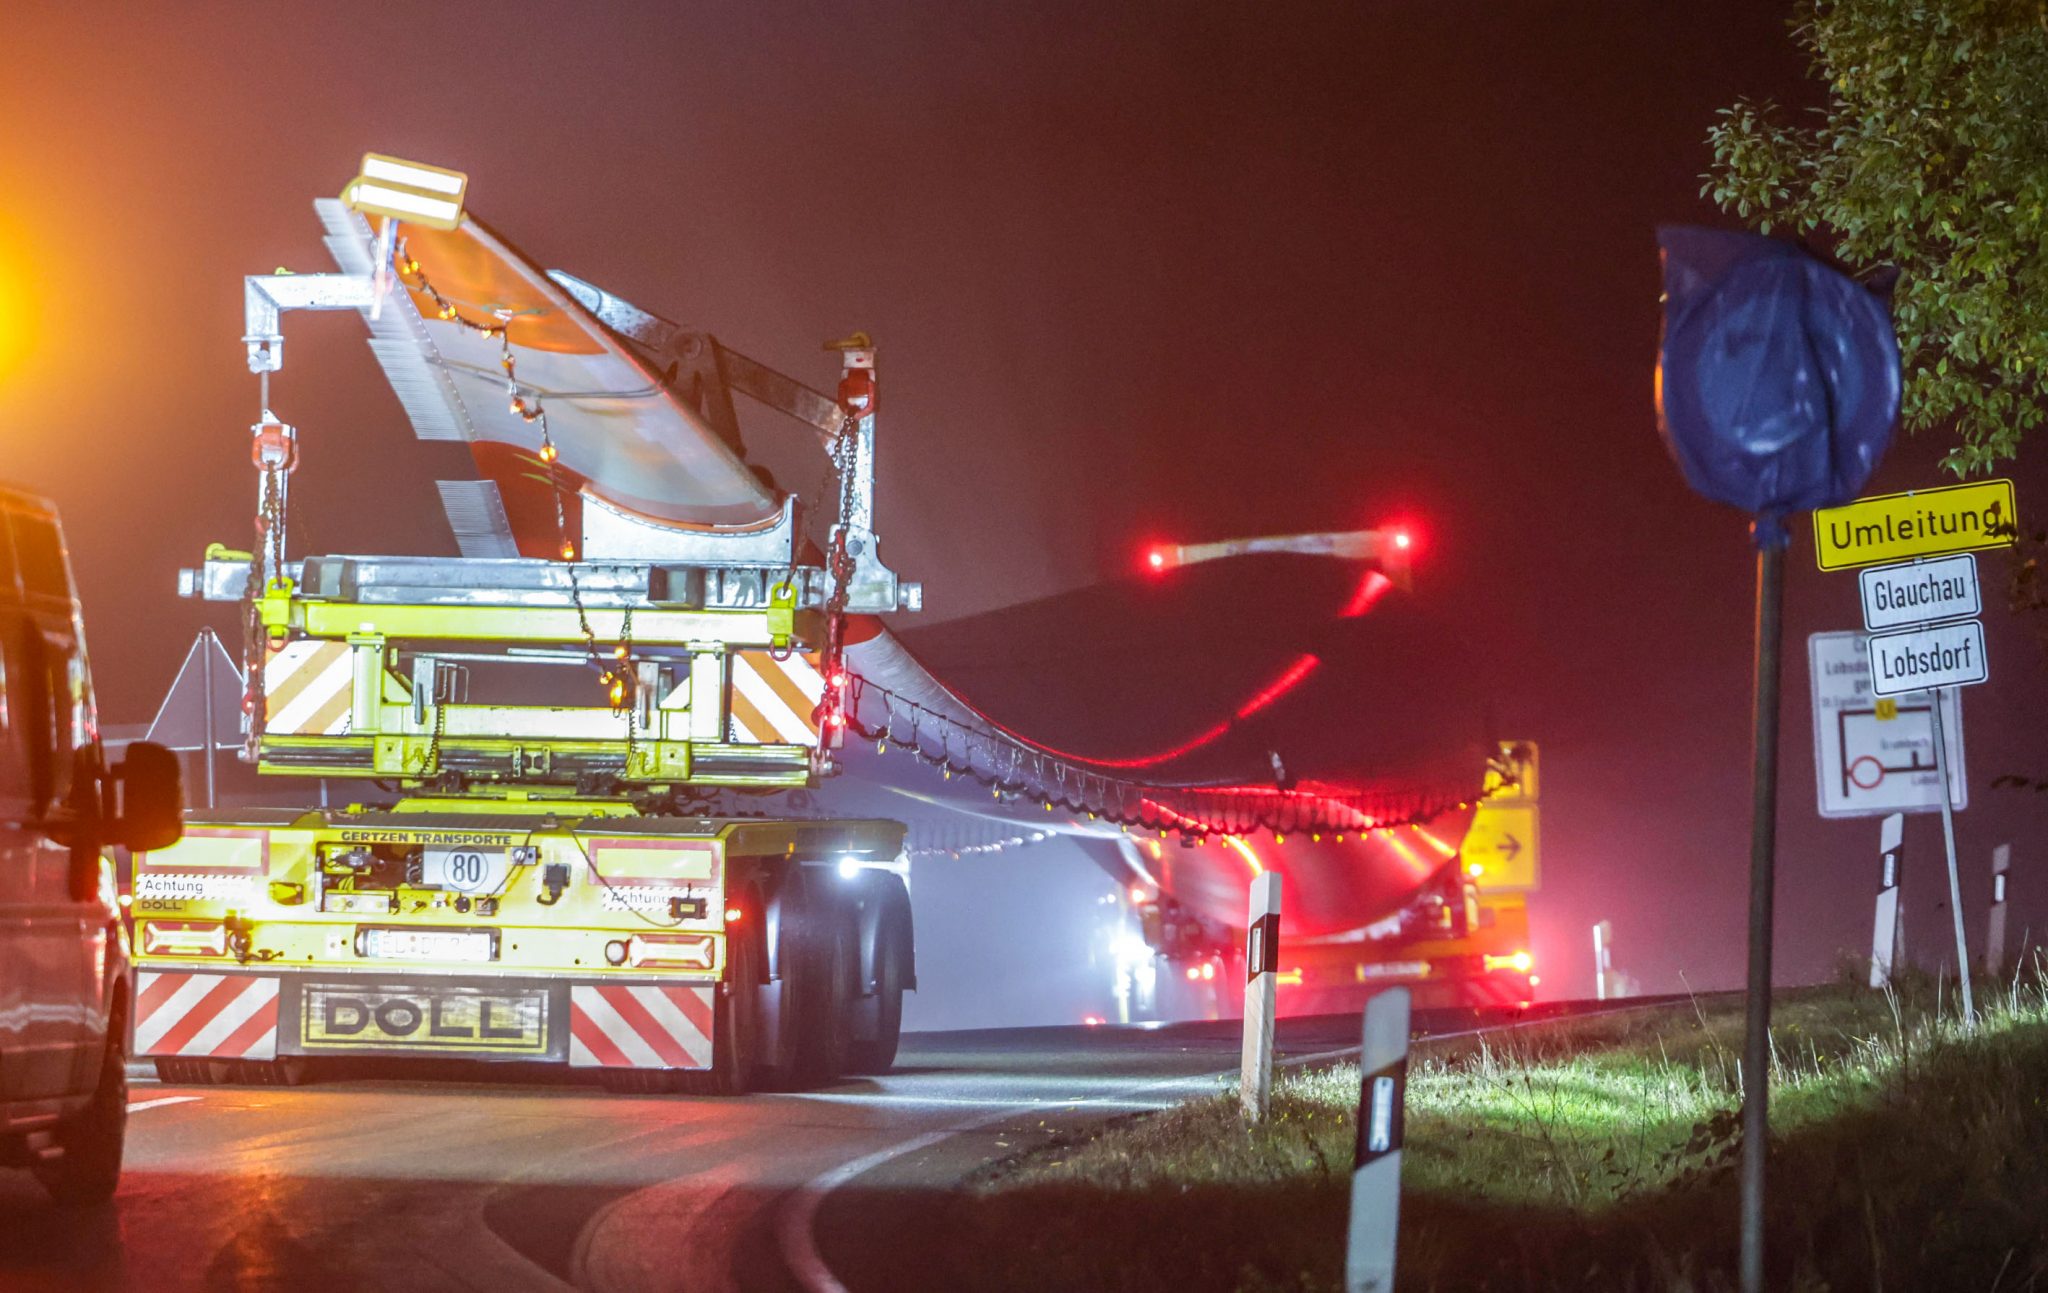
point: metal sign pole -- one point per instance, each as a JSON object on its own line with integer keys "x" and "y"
{"x": 1994, "y": 942}
{"x": 1376, "y": 1170}
{"x": 206, "y": 647}
{"x": 1884, "y": 947}
{"x": 1261, "y": 968}
{"x": 1763, "y": 840}
{"x": 1955, "y": 884}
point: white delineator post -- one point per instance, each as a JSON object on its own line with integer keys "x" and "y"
{"x": 1884, "y": 930}
{"x": 1603, "y": 957}
{"x": 1994, "y": 942}
{"x": 1376, "y": 1170}
{"x": 1261, "y": 966}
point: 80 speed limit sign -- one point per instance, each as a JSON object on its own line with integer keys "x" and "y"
{"x": 465, "y": 870}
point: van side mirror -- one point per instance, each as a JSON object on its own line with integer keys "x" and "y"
{"x": 147, "y": 807}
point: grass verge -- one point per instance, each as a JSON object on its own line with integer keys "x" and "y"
{"x": 1906, "y": 1154}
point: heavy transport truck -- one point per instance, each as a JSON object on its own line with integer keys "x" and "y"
{"x": 577, "y": 741}
{"x": 631, "y": 784}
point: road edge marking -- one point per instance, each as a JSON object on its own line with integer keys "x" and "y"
{"x": 137, "y": 1106}
{"x": 796, "y": 1221}
{"x": 796, "y": 1224}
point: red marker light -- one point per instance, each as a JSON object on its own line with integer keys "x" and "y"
{"x": 1156, "y": 559}
{"x": 1402, "y": 539}
{"x": 1138, "y": 894}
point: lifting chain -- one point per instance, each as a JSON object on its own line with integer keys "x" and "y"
{"x": 839, "y": 567}
{"x": 268, "y": 550}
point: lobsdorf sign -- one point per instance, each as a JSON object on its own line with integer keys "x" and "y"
{"x": 1944, "y": 655}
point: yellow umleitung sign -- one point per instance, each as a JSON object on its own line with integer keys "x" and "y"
{"x": 1918, "y": 523}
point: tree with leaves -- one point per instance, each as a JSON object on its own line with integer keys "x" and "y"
{"x": 1929, "y": 160}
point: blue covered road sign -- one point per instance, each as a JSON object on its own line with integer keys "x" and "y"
{"x": 1777, "y": 377}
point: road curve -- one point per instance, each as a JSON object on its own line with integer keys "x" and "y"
{"x": 396, "y": 1182}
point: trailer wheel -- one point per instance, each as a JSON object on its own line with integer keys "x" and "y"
{"x": 827, "y": 1009}
{"x": 289, "y": 1070}
{"x": 183, "y": 1071}
{"x": 89, "y": 1166}
{"x": 735, "y": 1029}
{"x": 892, "y": 971}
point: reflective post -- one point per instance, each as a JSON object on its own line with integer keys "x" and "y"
{"x": 1261, "y": 968}
{"x": 1884, "y": 930}
{"x": 1376, "y": 1164}
{"x": 1994, "y": 943}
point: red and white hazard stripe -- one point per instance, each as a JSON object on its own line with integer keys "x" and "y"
{"x": 640, "y": 1026}
{"x": 225, "y": 1016}
{"x": 308, "y": 688}
{"x": 773, "y": 700}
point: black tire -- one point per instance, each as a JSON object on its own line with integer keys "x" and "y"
{"x": 826, "y": 1012}
{"x": 289, "y": 1070}
{"x": 877, "y": 1054}
{"x": 88, "y": 1168}
{"x": 640, "y": 1081}
{"x": 736, "y": 1027}
{"x": 179, "y": 1071}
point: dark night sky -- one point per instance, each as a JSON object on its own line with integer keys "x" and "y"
{"x": 1137, "y": 272}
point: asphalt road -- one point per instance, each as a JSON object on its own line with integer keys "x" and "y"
{"x": 464, "y": 1182}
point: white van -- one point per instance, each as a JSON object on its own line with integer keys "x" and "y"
{"x": 64, "y": 980}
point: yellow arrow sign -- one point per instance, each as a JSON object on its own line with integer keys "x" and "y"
{"x": 1500, "y": 849}
{"x": 1918, "y": 523}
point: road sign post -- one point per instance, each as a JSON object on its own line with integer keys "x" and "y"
{"x": 1262, "y": 977}
{"x": 1933, "y": 655}
{"x": 1994, "y": 940}
{"x": 1813, "y": 363}
{"x": 1955, "y": 886}
{"x": 1376, "y": 1164}
{"x": 1763, "y": 845}
{"x": 1885, "y": 938}
{"x": 1603, "y": 957}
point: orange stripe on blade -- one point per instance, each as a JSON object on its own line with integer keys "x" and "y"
{"x": 303, "y": 674}
{"x": 328, "y": 715}
{"x": 777, "y": 677}
{"x": 755, "y": 729}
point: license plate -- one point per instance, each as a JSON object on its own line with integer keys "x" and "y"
{"x": 465, "y": 870}
{"x": 442, "y": 1018}
{"x": 429, "y": 944}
